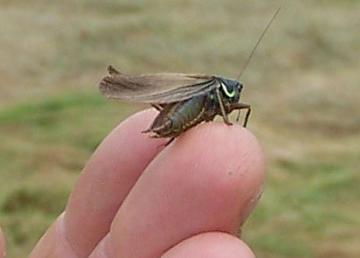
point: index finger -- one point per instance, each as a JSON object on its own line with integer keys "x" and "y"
{"x": 101, "y": 188}
{"x": 107, "y": 179}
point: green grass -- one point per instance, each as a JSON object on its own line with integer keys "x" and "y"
{"x": 46, "y": 145}
{"x": 303, "y": 84}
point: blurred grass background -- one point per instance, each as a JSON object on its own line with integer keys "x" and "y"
{"x": 303, "y": 84}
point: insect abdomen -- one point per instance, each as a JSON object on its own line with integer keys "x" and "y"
{"x": 179, "y": 117}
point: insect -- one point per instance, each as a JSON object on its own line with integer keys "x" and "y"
{"x": 183, "y": 100}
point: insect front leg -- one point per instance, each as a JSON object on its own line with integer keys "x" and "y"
{"x": 239, "y": 106}
{"x": 222, "y": 108}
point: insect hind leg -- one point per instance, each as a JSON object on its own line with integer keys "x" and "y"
{"x": 157, "y": 107}
{"x": 169, "y": 141}
{"x": 147, "y": 130}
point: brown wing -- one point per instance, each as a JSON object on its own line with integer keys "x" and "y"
{"x": 155, "y": 88}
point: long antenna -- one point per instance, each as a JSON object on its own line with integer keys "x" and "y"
{"x": 258, "y": 42}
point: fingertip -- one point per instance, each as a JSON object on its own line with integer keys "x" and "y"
{"x": 210, "y": 245}
{"x": 228, "y": 158}
{"x": 209, "y": 179}
{"x": 233, "y": 140}
{"x": 234, "y": 147}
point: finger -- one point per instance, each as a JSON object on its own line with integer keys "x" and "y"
{"x": 205, "y": 245}
{"x": 53, "y": 243}
{"x": 209, "y": 180}
{"x": 210, "y": 245}
{"x": 105, "y": 182}
{"x": 2, "y": 244}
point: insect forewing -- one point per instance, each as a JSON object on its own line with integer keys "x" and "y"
{"x": 156, "y": 88}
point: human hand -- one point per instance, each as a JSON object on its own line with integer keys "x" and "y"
{"x": 137, "y": 199}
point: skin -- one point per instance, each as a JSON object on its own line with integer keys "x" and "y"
{"x": 135, "y": 198}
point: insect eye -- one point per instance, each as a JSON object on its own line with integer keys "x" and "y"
{"x": 228, "y": 89}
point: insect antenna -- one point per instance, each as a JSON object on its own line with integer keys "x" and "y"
{"x": 257, "y": 43}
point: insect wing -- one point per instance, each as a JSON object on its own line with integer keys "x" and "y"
{"x": 156, "y": 88}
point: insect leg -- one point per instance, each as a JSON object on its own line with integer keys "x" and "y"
{"x": 248, "y": 111}
{"x": 112, "y": 71}
{"x": 238, "y": 116}
{"x": 157, "y": 107}
{"x": 147, "y": 130}
{"x": 170, "y": 141}
{"x": 222, "y": 108}
{"x": 240, "y": 106}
